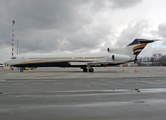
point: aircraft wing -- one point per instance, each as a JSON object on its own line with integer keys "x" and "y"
{"x": 95, "y": 63}
{"x": 79, "y": 63}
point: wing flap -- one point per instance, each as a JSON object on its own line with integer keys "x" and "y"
{"x": 96, "y": 63}
{"x": 78, "y": 63}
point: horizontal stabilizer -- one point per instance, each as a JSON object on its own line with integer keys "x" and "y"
{"x": 142, "y": 41}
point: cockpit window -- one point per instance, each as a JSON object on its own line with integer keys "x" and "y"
{"x": 13, "y": 57}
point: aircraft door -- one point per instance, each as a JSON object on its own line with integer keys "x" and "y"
{"x": 23, "y": 59}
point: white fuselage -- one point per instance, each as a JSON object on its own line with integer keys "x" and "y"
{"x": 67, "y": 59}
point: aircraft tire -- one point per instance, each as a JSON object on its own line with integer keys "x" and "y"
{"x": 21, "y": 70}
{"x": 91, "y": 70}
{"x": 85, "y": 69}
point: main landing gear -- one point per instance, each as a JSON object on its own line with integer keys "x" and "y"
{"x": 88, "y": 69}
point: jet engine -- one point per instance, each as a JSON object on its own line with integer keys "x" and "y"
{"x": 118, "y": 57}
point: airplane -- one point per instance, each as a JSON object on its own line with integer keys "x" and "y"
{"x": 115, "y": 56}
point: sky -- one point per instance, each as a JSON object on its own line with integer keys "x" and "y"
{"x": 80, "y": 26}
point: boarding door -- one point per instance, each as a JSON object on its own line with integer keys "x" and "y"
{"x": 23, "y": 59}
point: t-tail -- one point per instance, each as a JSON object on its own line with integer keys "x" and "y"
{"x": 138, "y": 45}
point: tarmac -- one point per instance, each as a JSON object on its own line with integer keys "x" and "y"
{"x": 116, "y": 93}
{"x": 72, "y": 73}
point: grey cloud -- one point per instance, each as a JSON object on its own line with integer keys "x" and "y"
{"x": 35, "y": 16}
{"x": 113, "y": 4}
{"x": 41, "y": 14}
{"x": 162, "y": 32}
{"x": 132, "y": 32}
{"x": 124, "y": 3}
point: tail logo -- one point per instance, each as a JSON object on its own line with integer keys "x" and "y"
{"x": 137, "y": 49}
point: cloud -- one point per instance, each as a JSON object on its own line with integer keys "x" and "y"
{"x": 161, "y": 32}
{"x": 60, "y": 25}
{"x": 124, "y": 3}
{"x": 134, "y": 30}
{"x": 151, "y": 49}
{"x": 5, "y": 52}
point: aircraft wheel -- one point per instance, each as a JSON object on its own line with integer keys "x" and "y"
{"x": 91, "y": 70}
{"x": 85, "y": 69}
{"x": 21, "y": 70}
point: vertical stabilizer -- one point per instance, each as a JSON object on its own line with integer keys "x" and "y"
{"x": 138, "y": 45}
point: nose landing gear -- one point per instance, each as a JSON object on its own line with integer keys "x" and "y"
{"x": 22, "y": 69}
